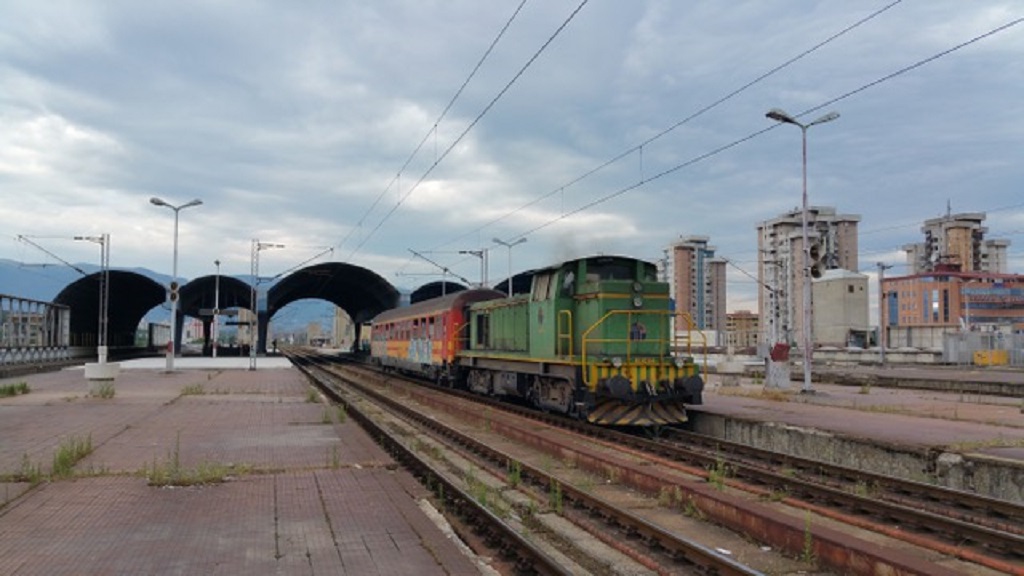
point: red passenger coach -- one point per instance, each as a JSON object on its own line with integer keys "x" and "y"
{"x": 424, "y": 338}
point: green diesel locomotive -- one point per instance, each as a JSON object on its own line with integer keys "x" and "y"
{"x": 594, "y": 338}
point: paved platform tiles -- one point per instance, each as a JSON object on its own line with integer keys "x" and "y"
{"x": 303, "y": 496}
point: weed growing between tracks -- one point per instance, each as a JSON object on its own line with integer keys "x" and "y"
{"x": 555, "y": 497}
{"x": 515, "y": 473}
{"x": 718, "y": 473}
{"x": 807, "y": 555}
{"x": 670, "y": 496}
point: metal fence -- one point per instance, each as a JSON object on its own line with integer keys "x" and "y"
{"x": 984, "y": 348}
{"x": 33, "y": 331}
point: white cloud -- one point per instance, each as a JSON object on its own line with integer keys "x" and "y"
{"x": 290, "y": 121}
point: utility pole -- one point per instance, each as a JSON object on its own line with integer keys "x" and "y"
{"x": 882, "y": 332}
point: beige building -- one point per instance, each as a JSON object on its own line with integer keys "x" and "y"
{"x": 957, "y": 242}
{"x": 841, "y": 309}
{"x": 697, "y": 284}
{"x": 742, "y": 330}
{"x": 832, "y": 240}
{"x": 343, "y": 330}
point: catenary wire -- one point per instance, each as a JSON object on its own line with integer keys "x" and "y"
{"x": 472, "y": 124}
{"x": 673, "y": 127}
{"x": 437, "y": 122}
{"x": 734, "y": 143}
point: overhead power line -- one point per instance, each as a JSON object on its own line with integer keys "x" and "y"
{"x": 472, "y": 124}
{"x": 639, "y": 147}
{"x": 433, "y": 129}
{"x": 720, "y": 149}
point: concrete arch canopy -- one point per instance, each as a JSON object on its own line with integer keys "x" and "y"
{"x": 130, "y": 296}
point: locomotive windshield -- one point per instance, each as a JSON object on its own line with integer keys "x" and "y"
{"x": 611, "y": 269}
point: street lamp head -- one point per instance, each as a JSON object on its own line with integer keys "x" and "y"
{"x": 826, "y": 118}
{"x": 160, "y": 202}
{"x": 780, "y": 116}
{"x": 520, "y": 241}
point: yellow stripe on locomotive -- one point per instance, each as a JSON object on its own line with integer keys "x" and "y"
{"x": 642, "y": 392}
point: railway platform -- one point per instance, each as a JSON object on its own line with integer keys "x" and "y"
{"x": 210, "y": 469}
{"x": 966, "y": 440}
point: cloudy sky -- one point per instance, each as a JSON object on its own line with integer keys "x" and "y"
{"x": 608, "y": 126}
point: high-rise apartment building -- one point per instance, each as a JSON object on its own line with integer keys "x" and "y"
{"x": 782, "y": 264}
{"x": 957, "y": 242}
{"x": 697, "y": 283}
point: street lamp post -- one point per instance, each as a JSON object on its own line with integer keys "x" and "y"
{"x": 254, "y": 326}
{"x": 171, "y": 349}
{"x": 509, "y": 245}
{"x": 780, "y": 116}
{"x": 216, "y": 308}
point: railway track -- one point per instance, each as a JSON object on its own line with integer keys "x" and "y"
{"x": 972, "y": 528}
{"x": 662, "y": 551}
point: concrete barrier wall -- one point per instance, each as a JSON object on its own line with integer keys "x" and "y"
{"x": 969, "y": 472}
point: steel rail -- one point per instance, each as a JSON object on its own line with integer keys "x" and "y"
{"x": 953, "y": 533}
{"x": 527, "y": 558}
{"x": 967, "y": 506}
{"x": 681, "y": 552}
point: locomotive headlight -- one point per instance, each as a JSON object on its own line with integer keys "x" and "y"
{"x": 617, "y": 362}
{"x": 638, "y": 301}
{"x": 679, "y": 362}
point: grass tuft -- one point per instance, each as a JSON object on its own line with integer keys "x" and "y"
{"x": 14, "y": 389}
{"x": 68, "y": 454}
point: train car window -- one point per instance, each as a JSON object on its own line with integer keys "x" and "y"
{"x": 650, "y": 273}
{"x": 430, "y": 328}
{"x": 541, "y": 287}
{"x": 569, "y": 283}
{"x": 482, "y": 329}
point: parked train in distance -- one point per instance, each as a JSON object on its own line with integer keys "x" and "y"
{"x": 594, "y": 338}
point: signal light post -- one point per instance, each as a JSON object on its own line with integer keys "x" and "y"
{"x": 174, "y": 278}
{"x": 780, "y": 116}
